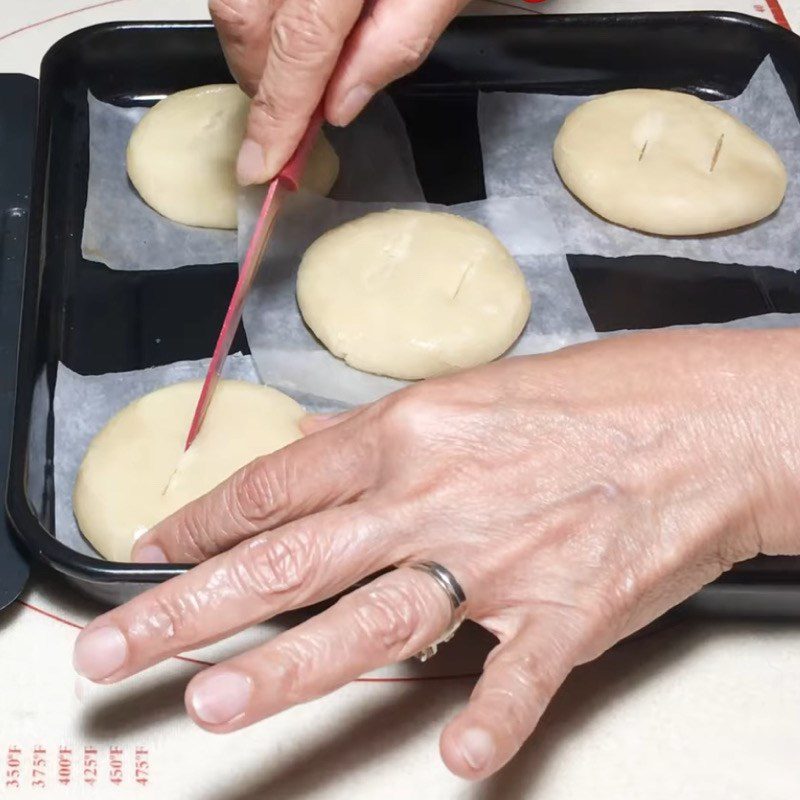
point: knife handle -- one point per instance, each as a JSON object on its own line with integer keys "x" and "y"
{"x": 292, "y": 172}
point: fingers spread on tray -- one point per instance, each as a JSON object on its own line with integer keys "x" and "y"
{"x": 302, "y": 563}
{"x": 389, "y": 620}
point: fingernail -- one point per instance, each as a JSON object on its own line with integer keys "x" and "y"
{"x": 99, "y": 653}
{"x": 353, "y": 102}
{"x": 274, "y": 163}
{"x": 150, "y": 554}
{"x": 477, "y": 747}
{"x": 251, "y": 166}
{"x": 221, "y": 697}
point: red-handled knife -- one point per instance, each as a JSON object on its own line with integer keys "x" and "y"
{"x": 288, "y": 179}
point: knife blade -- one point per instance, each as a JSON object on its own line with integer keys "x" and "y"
{"x": 287, "y": 180}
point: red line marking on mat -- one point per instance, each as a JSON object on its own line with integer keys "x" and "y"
{"x": 59, "y": 16}
{"x": 48, "y": 614}
{"x": 777, "y": 12}
{"x": 410, "y": 679}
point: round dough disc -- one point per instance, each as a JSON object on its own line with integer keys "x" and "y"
{"x": 411, "y": 294}
{"x": 667, "y": 163}
{"x": 182, "y": 156}
{"x": 135, "y": 472}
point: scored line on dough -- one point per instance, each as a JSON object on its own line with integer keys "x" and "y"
{"x": 461, "y": 281}
{"x": 641, "y": 152}
{"x": 717, "y": 151}
{"x": 169, "y": 482}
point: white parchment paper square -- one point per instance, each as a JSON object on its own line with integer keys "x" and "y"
{"x": 123, "y": 232}
{"x": 517, "y": 133}
{"x": 291, "y": 359}
{"x": 119, "y": 228}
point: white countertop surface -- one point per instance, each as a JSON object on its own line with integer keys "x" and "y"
{"x": 699, "y": 711}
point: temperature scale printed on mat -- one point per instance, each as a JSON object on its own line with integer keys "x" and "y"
{"x": 43, "y": 766}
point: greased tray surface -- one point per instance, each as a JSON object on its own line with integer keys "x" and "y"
{"x": 97, "y": 320}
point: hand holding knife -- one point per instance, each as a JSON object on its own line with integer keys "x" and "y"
{"x": 288, "y": 179}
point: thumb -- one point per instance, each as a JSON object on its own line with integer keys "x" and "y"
{"x": 303, "y": 47}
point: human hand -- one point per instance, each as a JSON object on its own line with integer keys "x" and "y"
{"x": 287, "y": 54}
{"x": 575, "y": 496}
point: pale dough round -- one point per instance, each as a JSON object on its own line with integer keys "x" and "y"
{"x": 667, "y": 163}
{"x": 182, "y": 156}
{"x": 411, "y": 294}
{"x": 135, "y": 472}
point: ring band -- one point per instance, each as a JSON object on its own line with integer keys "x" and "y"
{"x": 455, "y": 594}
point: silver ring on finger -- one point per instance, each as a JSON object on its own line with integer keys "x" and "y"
{"x": 455, "y": 595}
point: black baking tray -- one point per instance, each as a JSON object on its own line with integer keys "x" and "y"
{"x": 97, "y": 320}
{"x": 17, "y": 120}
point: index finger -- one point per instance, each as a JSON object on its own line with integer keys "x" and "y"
{"x": 305, "y": 40}
{"x": 243, "y": 28}
{"x": 320, "y": 471}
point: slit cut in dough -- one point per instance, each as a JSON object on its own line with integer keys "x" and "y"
{"x": 182, "y": 156}
{"x": 412, "y": 294}
{"x": 667, "y": 163}
{"x": 135, "y": 472}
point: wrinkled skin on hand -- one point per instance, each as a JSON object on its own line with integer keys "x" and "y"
{"x": 575, "y": 496}
{"x": 290, "y": 54}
